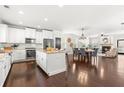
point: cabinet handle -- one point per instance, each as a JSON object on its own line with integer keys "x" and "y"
{"x": 4, "y": 67}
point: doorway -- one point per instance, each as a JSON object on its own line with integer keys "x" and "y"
{"x": 120, "y": 46}
{"x": 58, "y": 43}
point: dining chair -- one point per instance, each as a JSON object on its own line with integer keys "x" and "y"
{"x": 82, "y": 53}
{"x": 94, "y": 54}
{"x": 75, "y": 53}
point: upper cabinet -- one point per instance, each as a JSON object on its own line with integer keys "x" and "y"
{"x": 30, "y": 33}
{"x": 47, "y": 34}
{"x": 39, "y": 37}
{"x": 16, "y": 35}
{"x": 3, "y": 33}
{"x": 57, "y": 33}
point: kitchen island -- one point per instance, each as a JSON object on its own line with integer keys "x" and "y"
{"x": 51, "y": 62}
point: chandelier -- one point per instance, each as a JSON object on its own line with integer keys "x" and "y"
{"x": 82, "y": 35}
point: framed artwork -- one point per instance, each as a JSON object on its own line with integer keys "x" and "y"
{"x": 106, "y": 40}
{"x": 71, "y": 44}
{"x": 69, "y": 40}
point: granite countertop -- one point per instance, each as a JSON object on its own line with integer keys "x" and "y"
{"x": 2, "y": 52}
{"x": 51, "y": 52}
{"x": 26, "y": 48}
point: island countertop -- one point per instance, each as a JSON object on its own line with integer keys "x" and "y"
{"x": 51, "y": 52}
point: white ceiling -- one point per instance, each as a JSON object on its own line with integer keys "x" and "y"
{"x": 96, "y": 19}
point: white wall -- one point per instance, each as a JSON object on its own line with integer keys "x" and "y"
{"x": 66, "y": 45}
{"x": 75, "y": 35}
{"x": 0, "y": 21}
{"x": 72, "y": 36}
{"x": 75, "y": 40}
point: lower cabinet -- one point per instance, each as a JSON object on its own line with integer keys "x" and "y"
{"x": 41, "y": 60}
{"x": 2, "y": 73}
{"x": 5, "y": 65}
{"x": 18, "y": 55}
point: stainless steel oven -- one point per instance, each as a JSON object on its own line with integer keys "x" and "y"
{"x": 30, "y": 53}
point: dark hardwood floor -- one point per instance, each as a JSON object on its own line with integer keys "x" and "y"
{"x": 106, "y": 72}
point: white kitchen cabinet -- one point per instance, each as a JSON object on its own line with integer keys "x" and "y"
{"x": 12, "y": 35}
{"x": 2, "y": 73}
{"x": 39, "y": 37}
{"x": 3, "y": 33}
{"x": 18, "y": 55}
{"x": 57, "y": 33}
{"x": 8, "y": 63}
{"x": 47, "y": 34}
{"x": 16, "y": 35}
{"x": 30, "y": 33}
{"x": 5, "y": 65}
{"x": 41, "y": 59}
{"x": 20, "y": 36}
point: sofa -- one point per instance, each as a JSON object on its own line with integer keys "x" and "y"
{"x": 111, "y": 53}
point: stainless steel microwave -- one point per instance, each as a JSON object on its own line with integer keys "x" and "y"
{"x": 30, "y": 40}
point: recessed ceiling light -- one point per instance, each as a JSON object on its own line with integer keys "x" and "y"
{"x": 38, "y": 26}
{"x": 21, "y": 12}
{"x": 20, "y": 22}
{"x": 45, "y": 19}
{"x": 60, "y": 5}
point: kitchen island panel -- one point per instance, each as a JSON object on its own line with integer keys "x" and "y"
{"x": 52, "y": 63}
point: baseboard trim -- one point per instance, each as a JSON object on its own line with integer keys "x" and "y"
{"x": 53, "y": 72}
{"x": 57, "y": 72}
